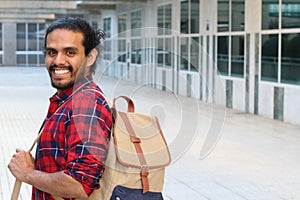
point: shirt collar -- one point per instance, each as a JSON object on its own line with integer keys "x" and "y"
{"x": 67, "y": 93}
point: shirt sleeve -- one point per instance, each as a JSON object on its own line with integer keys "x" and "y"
{"x": 87, "y": 138}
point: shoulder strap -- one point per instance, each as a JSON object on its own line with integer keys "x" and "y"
{"x": 129, "y": 101}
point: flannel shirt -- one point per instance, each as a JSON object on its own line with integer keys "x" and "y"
{"x": 75, "y": 138}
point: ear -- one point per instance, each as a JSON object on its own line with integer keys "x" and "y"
{"x": 91, "y": 58}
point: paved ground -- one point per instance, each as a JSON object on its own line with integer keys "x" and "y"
{"x": 218, "y": 154}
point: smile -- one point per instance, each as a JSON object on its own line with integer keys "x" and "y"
{"x": 61, "y": 71}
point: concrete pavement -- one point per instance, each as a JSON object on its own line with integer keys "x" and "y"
{"x": 218, "y": 153}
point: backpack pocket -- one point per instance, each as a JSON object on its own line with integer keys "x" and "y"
{"x": 125, "y": 193}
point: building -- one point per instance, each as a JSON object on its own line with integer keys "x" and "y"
{"x": 239, "y": 53}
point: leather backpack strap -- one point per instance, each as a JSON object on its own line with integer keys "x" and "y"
{"x": 137, "y": 145}
{"x": 130, "y": 104}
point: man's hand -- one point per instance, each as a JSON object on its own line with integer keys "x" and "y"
{"x": 59, "y": 184}
{"x": 21, "y": 164}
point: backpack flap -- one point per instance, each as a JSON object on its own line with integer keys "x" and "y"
{"x": 139, "y": 141}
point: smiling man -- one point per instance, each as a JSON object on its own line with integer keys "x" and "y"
{"x": 64, "y": 56}
{"x": 76, "y": 131}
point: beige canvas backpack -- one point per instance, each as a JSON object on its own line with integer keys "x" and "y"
{"x": 138, "y": 153}
{"x": 137, "y": 156}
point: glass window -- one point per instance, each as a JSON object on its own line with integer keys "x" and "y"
{"x": 238, "y": 15}
{"x": 41, "y": 58}
{"x": 160, "y": 20}
{"x": 288, "y": 41}
{"x": 168, "y": 18}
{"x": 21, "y": 59}
{"x": 290, "y": 60}
{"x": 223, "y": 15}
{"x": 21, "y": 37}
{"x": 223, "y": 53}
{"x": 164, "y": 52}
{"x": 122, "y": 45}
{"x": 107, "y": 43}
{"x": 290, "y": 14}
{"x": 194, "y": 54}
{"x": 269, "y": 57}
{"x": 122, "y": 28}
{"x": 164, "y": 45}
{"x": 41, "y": 37}
{"x": 231, "y": 15}
{"x": 168, "y": 56}
{"x": 107, "y": 49}
{"x": 1, "y": 46}
{"x": 32, "y": 59}
{"x": 136, "y": 23}
{"x": 32, "y": 37}
{"x": 122, "y": 25}
{"x": 195, "y": 13}
{"x": 270, "y": 14}
{"x": 189, "y": 16}
{"x": 107, "y": 26}
{"x": 237, "y": 56}
{"x": 136, "y": 52}
{"x": 160, "y": 52}
{"x": 164, "y": 19}
{"x": 30, "y": 43}
{"x": 184, "y": 49}
{"x": 122, "y": 50}
{"x": 184, "y": 17}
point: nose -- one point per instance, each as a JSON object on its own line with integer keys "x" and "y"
{"x": 60, "y": 59}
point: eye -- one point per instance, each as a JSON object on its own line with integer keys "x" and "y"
{"x": 70, "y": 53}
{"x": 51, "y": 52}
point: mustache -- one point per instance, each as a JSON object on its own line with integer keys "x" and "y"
{"x": 52, "y": 67}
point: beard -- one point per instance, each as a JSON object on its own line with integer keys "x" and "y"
{"x": 60, "y": 86}
{"x": 74, "y": 77}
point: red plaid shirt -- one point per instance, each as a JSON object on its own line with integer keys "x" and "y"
{"x": 75, "y": 137}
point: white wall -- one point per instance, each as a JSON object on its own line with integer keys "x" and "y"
{"x": 220, "y": 91}
{"x": 238, "y": 94}
{"x": 292, "y": 105}
{"x": 266, "y": 99}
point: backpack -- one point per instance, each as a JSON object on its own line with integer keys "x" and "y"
{"x": 137, "y": 157}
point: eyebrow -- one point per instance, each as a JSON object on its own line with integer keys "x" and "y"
{"x": 65, "y": 49}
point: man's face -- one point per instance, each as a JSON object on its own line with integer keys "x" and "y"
{"x": 64, "y": 57}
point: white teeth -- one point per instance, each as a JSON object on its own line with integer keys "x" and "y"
{"x": 61, "y": 71}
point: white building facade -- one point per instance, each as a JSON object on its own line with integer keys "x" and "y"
{"x": 243, "y": 54}
{"x": 239, "y": 53}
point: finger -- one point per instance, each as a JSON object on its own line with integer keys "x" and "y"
{"x": 18, "y": 150}
{"x": 11, "y": 164}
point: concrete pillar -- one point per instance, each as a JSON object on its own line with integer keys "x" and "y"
{"x": 9, "y": 44}
{"x": 252, "y": 28}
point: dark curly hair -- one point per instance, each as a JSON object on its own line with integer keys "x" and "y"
{"x": 91, "y": 37}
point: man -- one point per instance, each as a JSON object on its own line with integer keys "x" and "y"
{"x": 74, "y": 141}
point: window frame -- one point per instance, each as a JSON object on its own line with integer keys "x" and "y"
{"x": 280, "y": 32}
{"x": 28, "y": 56}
